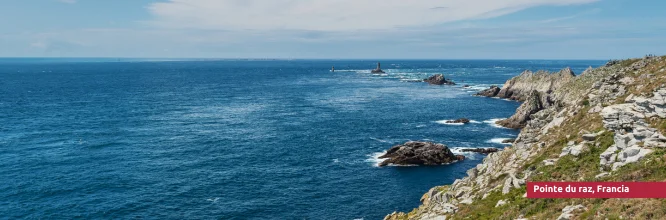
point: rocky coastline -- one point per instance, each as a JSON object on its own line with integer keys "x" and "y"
{"x": 596, "y": 124}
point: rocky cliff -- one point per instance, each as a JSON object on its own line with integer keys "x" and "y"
{"x": 593, "y": 127}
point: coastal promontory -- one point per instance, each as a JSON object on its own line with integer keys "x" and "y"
{"x": 605, "y": 125}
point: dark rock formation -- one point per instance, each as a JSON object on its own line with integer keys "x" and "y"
{"x": 458, "y": 121}
{"x": 466, "y": 86}
{"x": 418, "y": 153}
{"x": 481, "y": 150}
{"x": 379, "y": 69}
{"x": 490, "y": 92}
{"x": 438, "y": 79}
{"x": 508, "y": 141}
{"x": 533, "y": 105}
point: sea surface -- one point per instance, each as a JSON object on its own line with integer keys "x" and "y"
{"x": 236, "y": 139}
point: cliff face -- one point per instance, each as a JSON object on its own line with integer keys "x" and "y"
{"x": 593, "y": 127}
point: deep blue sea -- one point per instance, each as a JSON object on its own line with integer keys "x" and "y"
{"x": 235, "y": 139}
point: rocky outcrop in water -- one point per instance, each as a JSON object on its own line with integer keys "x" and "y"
{"x": 490, "y": 92}
{"x": 438, "y": 79}
{"x": 379, "y": 69}
{"x": 419, "y": 153}
{"x": 458, "y": 121}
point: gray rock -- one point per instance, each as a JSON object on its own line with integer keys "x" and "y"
{"x": 568, "y": 212}
{"x": 529, "y": 107}
{"x": 602, "y": 175}
{"x": 550, "y": 162}
{"x": 590, "y": 137}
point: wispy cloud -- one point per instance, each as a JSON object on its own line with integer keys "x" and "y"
{"x": 331, "y": 15}
{"x": 588, "y": 12}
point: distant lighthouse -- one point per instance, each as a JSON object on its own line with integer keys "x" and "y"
{"x": 379, "y": 68}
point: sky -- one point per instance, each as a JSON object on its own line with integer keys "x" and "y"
{"x": 334, "y": 29}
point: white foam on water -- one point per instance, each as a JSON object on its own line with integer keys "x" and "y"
{"x": 498, "y": 141}
{"x": 213, "y": 199}
{"x": 475, "y": 122}
{"x": 493, "y": 122}
{"x": 374, "y": 158}
{"x": 445, "y": 122}
{"x": 380, "y": 140}
{"x": 336, "y": 161}
{"x": 468, "y": 155}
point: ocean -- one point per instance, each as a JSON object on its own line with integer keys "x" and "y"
{"x": 236, "y": 139}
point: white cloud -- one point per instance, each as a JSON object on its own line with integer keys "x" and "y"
{"x": 331, "y": 15}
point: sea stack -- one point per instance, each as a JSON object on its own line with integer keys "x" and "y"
{"x": 379, "y": 68}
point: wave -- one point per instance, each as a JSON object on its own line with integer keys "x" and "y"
{"x": 374, "y": 158}
{"x": 468, "y": 155}
{"x": 445, "y": 122}
{"x": 479, "y": 87}
{"x": 380, "y": 140}
{"x": 493, "y": 122}
{"x": 499, "y": 141}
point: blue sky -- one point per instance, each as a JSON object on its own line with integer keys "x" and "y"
{"x": 431, "y": 29}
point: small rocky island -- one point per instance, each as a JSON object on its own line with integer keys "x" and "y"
{"x": 459, "y": 121}
{"x": 379, "y": 69}
{"x": 419, "y": 153}
{"x": 438, "y": 79}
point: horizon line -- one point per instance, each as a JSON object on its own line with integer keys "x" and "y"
{"x": 268, "y": 58}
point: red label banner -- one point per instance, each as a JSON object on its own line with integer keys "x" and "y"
{"x": 596, "y": 190}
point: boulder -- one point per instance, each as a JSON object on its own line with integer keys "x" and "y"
{"x": 438, "y": 79}
{"x": 490, "y": 92}
{"x": 508, "y": 141}
{"x": 481, "y": 150}
{"x": 419, "y": 153}
{"x": 459, "y": 121}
